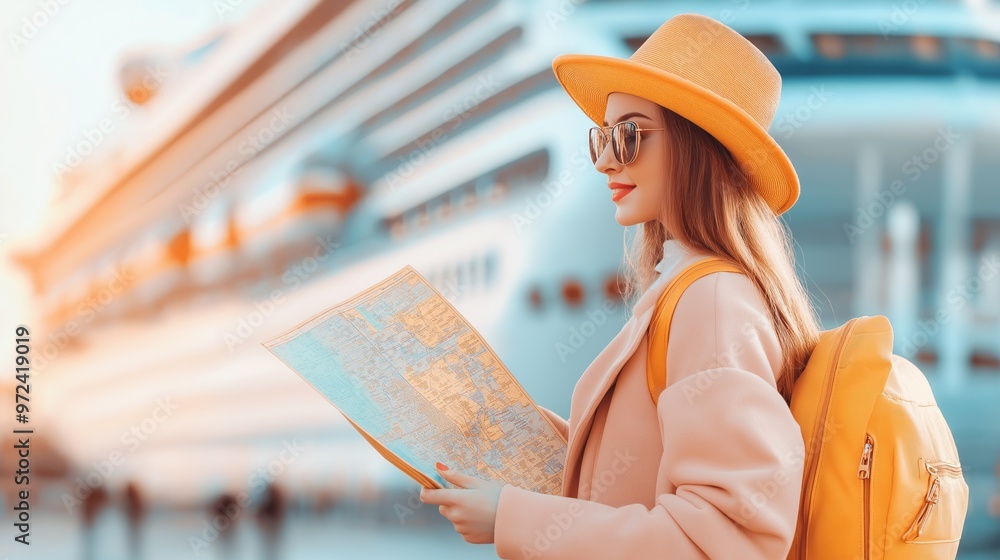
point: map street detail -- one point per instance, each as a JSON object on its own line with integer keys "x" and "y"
{"x": 421, "y": 385}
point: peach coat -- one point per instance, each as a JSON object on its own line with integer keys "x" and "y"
{"x": 714, "y": 471}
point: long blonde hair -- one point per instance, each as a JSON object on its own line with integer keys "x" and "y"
{"x": 711, "y": 207}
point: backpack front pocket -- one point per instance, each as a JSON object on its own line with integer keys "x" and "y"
{"x": 942, "y": 513}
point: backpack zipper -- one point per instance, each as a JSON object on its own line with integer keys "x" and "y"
{"x": 811, "y": 472}
{"x": 865, "y": 473}
{"x": 935, "y": 469}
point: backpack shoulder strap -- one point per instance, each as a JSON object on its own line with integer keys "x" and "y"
{"x": 659, "y": 324}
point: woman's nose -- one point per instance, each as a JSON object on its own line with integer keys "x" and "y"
{"x": 606, "y": 162}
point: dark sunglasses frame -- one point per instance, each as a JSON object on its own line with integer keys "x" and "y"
{"x": 617, "y": 138}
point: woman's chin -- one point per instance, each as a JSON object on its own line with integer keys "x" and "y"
{"x": 627, "y": 216}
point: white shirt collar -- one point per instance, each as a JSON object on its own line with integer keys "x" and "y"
{"x": 673, "y": 252}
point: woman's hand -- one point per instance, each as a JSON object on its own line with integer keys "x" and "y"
{"x": 472, "y": 507}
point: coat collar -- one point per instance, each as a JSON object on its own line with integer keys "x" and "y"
{"x": 604, "y": 369}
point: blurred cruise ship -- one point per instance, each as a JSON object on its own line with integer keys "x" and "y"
{"x": 282, "y": 165}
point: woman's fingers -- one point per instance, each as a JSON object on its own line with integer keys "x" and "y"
{"x": 460, "y": 479}
{"x": 440, "y": 496}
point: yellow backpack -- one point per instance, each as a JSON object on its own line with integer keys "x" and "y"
{"x": 882, "y": 477}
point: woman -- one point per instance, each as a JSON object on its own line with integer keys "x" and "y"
{"x": 714, "y": 470}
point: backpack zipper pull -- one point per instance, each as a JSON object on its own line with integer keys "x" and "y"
{"x": 865, "y": 467}
{"x": 930, "y": 500}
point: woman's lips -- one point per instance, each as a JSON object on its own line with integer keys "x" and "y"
{"x": 619, "y": 190}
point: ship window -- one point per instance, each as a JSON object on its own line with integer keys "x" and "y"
{"x": 489, "y": 269}
{"x": 526, "y": 172}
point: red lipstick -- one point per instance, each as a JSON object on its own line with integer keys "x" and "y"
{"x": 619, "y": 190}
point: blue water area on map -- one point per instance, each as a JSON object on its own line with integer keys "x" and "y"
{"x": 370, "y": 318}
{"x": 324, "y": 369}
{"x": 346, "y": 366}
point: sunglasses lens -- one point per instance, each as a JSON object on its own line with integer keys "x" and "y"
{"x": 597, "y": 144}
{"x": 625, "y": 136}
{"x": 624, "y": 139}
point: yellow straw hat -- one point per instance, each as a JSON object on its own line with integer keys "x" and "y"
{"x": 707, "y": 73}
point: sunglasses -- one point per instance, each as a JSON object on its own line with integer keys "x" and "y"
{"x": 624, "y": 141}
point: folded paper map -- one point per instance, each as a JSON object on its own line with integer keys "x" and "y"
{"x": 421, "y": 385}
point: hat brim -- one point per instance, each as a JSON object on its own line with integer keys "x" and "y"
{"x": 588, "y": 79}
